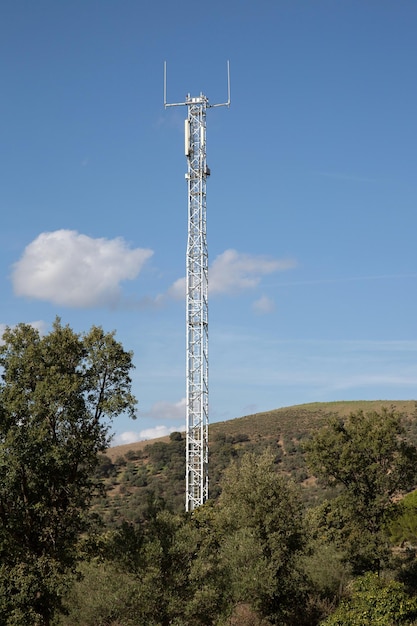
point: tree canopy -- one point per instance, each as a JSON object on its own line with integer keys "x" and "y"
{"x": 58, "y": 394}
{"x": 261, "y": 520}
{"x": 369, "y": 459}
{"x": 375, "y": 601}
{"x": 253, "y": 557}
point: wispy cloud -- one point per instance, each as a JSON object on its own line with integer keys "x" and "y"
{"x": 168, "y": 410}
{"x": 161, "y": 411}
{"x": 130, "y": 436}
{"x": 263, "y": 305}
{"x": 233, "y": 272}
{"x": 177, "y": 289}
{"x": 74, "y": 270}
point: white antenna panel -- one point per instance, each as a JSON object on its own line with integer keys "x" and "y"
{"x": 187, "y": 137}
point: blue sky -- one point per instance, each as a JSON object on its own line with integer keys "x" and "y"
{"x": 311, "y": 204}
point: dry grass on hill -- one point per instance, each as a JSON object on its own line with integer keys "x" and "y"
{"x": 290, "y": 420}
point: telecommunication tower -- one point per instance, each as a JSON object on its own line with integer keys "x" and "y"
{"x": 197, "y": 388}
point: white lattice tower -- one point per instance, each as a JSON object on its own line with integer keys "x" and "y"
{"x": 196, "y": 307}
{"x": 197, "y": 364}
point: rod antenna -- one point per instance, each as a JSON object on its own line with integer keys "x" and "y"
{"x": 208, "y": 105}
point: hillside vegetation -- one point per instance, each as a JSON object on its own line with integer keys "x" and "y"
{"x": 312, "y": 516}
{"x": 312, "y": 521}
{"x": 137, "y": 473}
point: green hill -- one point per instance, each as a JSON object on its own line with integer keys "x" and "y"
{"x": 137, "y": 473}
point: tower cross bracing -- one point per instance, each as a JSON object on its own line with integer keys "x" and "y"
{"x": 197, "y": 363}
{"x": 196, "y": 307}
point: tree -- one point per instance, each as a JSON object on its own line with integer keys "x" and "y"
{"x": 368, "y": 458}
{"x": 58, "y": 395}
{"x": 374, "y": 601}
{"x": 403, "y": 530}
{"x": 261, "y": 518}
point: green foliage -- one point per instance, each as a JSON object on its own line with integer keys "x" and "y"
{"x": 29, "y": 590}
{"x": 375, "y": 602}
{"x": 160, "y": 573}
{"x": 105, "y": 594}
{"x": 131, "y": 455}
{"x": 228, "y": 440}
{"x": 155, "y": 471}
{"x": 403, "y": 529}
{"x": 105, "y": 467}
{"x": 263, "y": 537}
{"x": 368, "y": 457}
{"x": 56, "y": 390}
{"x": 159, "y": 455}
{"x": 209, "y": 583}
{"x": 199, "y": 568}
{"x": 248, "y": 557}
{"x": 326, "y": 571}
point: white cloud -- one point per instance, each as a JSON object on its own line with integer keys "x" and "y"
{"x": 160, "y": 411}
{"x": 263, "y": 305}
{"x": 168, "y": 410}
{"x": 131, "y": 436}
{"x": 177, "y": 289}
{"x": 71, "y": 269}
{"x": 40, "y": 325}
{"x": 234, "y": 271}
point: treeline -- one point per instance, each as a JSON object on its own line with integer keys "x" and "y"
{"x": 157, "y": 470}
{"x": 258, "y": 554}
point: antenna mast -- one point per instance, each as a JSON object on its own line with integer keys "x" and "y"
{"x": 197, "y": 418}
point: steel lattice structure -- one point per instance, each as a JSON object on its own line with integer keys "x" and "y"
{"x": 197, "y": 364}
{"x": 196, "y": 306}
